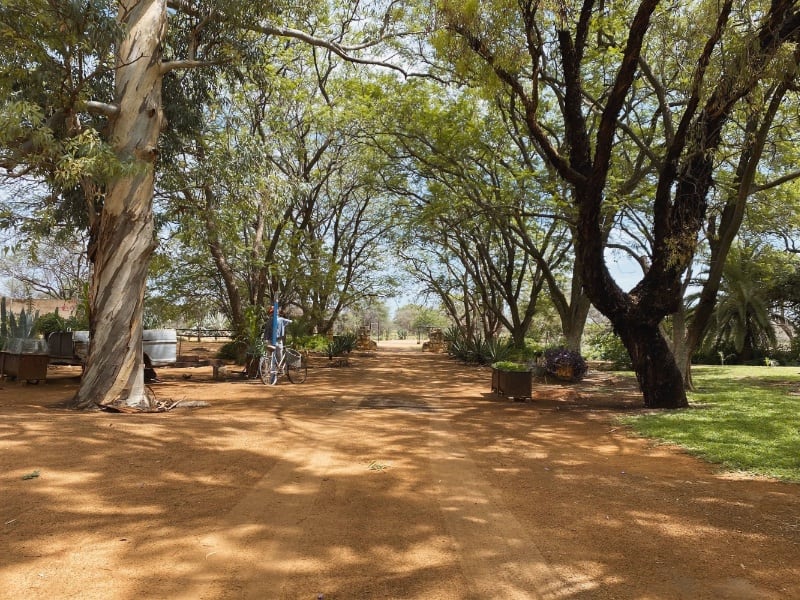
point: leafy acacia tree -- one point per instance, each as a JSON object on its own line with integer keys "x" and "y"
{"x": 483, "y": 231}
{"x": 572, "y": 69}
{"x": 117, "y": 78}
{"x": 282, "y": 195}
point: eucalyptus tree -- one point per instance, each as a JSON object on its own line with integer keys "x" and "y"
{"x": 87, "y": 77}
{"x": 572, "y": 68}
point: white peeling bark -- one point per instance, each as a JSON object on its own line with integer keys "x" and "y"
{"x": 125, "y": 240}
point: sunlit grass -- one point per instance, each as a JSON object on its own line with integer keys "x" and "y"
{"x": 743, "y": 418}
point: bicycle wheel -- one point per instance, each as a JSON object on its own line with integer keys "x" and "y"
{"x": 297, "y": 374}
{"x": 263, "y": 367}
{"x": 274, "y": 369}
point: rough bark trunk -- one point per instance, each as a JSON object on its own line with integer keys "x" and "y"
{"x": 114, "y": 372}
{"x": 721, "y": 237}
{"x": 680, "y": 348}
{"x": 657, "y": 372}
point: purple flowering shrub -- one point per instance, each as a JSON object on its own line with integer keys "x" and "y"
{"x": 565, "y": 364}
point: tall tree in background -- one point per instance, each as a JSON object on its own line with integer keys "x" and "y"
{"x": 742, "y": 316}
{"x": 572, "y": 73}
{"x": 126, "y": 45}
{"x": 274, "y": 185}
{"x": 483, "y": 234}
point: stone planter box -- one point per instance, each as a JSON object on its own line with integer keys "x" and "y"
{"x": 512, "y": 384}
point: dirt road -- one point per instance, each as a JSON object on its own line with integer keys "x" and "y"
{"x": 399, "y": 476}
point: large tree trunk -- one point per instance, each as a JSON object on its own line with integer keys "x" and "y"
{"x": 660, "y": 379}
{"x": 657, "y": 372}
{"x": 125, "y": 242}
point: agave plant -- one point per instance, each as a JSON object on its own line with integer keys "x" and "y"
{"x": 16, "y": 326}
{"x": 498, "y": 350}
{"x": 342, "y": 344}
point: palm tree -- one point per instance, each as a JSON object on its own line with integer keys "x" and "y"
{"x": 742, "y": 317}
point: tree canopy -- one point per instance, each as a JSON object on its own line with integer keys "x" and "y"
{"x": 502, "y": 150}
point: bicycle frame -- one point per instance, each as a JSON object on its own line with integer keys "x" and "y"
{"x": 270, "y": 368}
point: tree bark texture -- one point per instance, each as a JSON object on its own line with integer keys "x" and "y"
{"x": 125, "y": 241}
{"x": 657, "y": 372}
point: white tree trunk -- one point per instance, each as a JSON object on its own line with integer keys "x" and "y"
{"x": 125, "y": 240}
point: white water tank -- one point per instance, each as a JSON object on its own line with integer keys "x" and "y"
{"x": 161, "y": 345}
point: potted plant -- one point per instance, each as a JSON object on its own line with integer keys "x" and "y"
{"x": 23, "y": 356}
{"x": 511, "y": 379}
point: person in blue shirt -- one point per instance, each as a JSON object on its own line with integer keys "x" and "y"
{"x": 280, "y": 332}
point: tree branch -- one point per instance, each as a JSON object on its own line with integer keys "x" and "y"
{"x": 174, "y": 65}
{"x": 102, "y": 108}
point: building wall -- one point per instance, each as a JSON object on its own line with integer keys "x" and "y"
{"x": 66, "y": 308}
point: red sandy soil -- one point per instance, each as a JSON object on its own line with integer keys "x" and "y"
{"x": 397, "y": 476}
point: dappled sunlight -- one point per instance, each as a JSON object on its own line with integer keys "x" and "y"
{"x": 399, "y": 476}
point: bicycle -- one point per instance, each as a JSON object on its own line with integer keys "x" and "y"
{"x": 292, "y": 365}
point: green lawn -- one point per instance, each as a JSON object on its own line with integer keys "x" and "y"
{"x": 744, "y": 418}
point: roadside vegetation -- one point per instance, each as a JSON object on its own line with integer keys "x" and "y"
{"x": 744, "y": 418}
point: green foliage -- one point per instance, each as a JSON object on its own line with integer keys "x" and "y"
{"x": 79, "y": 321}
{"x": 477, "y": 349}
{"x": 50, "y": 323}
{"x": 463, "y": 347}
{"x": 342, "y": 344}
{"x": 745, "y": 420}
{"x": 249, "y": 338}
{"x": 784, "y": 292}
{"x": 312, "y": 343}
{"x": 531, "y": 351}
{"x": 506, "y": 365}
{"x": 498, "y": 349}
{"x": 606, "y": 345}
{"x": 742, "y": 317}
{"x": 230, "y": 351}
{"x": 412, "y": 318}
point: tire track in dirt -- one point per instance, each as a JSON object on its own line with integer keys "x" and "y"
{"x": 253, "y": 545}
{"x": 498, "y": 556}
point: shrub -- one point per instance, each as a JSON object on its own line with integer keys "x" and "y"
{"x": 532, "y": 351}
{"x": 477, "y": 350}
{"x": 342, "y": 344}
{"x": 606, "y": 345}
{"x": 50, "y": 323}
{"x": 565, "y": 364}
{"x": 229, "y": 351}
{"x": 312, "y": 343}
{"x": 507, "y": 365}
{"x": 497, "y": 350}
